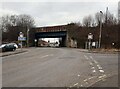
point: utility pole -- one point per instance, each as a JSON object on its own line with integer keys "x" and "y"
{"x": 106, "y": 19}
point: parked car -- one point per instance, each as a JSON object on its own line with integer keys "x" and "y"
{"x": 7, "y": 47}
{"x": 13, "y": 44}
{"x": 1, "y": 46}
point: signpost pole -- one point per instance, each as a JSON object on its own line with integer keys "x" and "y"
{"x": 21, "y": 45}
{"x": 89, "y": 44}
{"x": 20, "y": 37}
{"x": 90, "y": 37}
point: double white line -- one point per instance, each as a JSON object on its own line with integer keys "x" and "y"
{"x": 98, "y": 66}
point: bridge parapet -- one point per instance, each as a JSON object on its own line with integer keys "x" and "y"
{"x": 51, "y": 29}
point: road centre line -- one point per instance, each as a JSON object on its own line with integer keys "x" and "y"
{"x": 46, "y": 56}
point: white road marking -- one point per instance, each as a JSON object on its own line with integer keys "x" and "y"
{"x": 46, "y": 56}
{"x": 99, "y": 67}
{"x": 95, "y": 61}
{"x": 102, "y": 71}
{"x": 102, "y": 76}
{"x": 94, "y": 71}
{"x": 90, "y": 78}
{"x": 51, "y": 55}
{"x": 91, "y": 63}
{"x": 92, "y": 67}
{"x": 85, "y": 80}
{"x": 91, "y": 57}
{"x": 86, "y": 57}
{"x": 75, "y": 84}
{"x": 81, "y": 85}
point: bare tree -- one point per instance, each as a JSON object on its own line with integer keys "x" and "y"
{"x": 79, "y": 24}
{"x": 13, "y": 20}
{"x": 9, "y": 24}
{"x": 87, "y": 21}
{"x": 110, "y": 19}
{"x": 107, "y": 18}
{"x": 5, "y": 23}
{"x": 97, "y": 18}
{"x": 25, "y": 20}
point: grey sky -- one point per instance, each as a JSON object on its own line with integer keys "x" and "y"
{"x": 58, "y": 13}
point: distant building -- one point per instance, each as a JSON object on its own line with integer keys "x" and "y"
{"x": 119, "y": 11}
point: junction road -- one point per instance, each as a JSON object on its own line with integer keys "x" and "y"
{"x": 59, "y": 67}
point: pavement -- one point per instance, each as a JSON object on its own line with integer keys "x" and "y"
{"x": 59, "y": 67}
{"x": 110, "y": 51}
{"x": 17, "y": 51}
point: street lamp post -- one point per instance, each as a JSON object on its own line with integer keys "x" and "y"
{"x": 100, "y": 29}
{"x": 35, "y": 42}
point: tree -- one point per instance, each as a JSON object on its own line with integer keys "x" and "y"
{"x": 25, "y": 20}
{"x": 110, "y": 19}
{"x": 107, "y": 19}
{"x": 9, "y": 24}
{"x": 97, "y": 18}
{"x": 16, "y": 20}
{"x": 5, "y": 23}
{"x": 87, "y": 21}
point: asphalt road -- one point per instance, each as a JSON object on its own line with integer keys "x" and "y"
{"x": 59, "y": 67}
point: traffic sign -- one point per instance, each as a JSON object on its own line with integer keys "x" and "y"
{"x": 21, "y": 34}
{"x": 90, "y": 36}
{"x": 21, "y": 38}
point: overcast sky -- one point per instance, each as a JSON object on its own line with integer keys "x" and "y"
{"x": 57, "y": 12}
